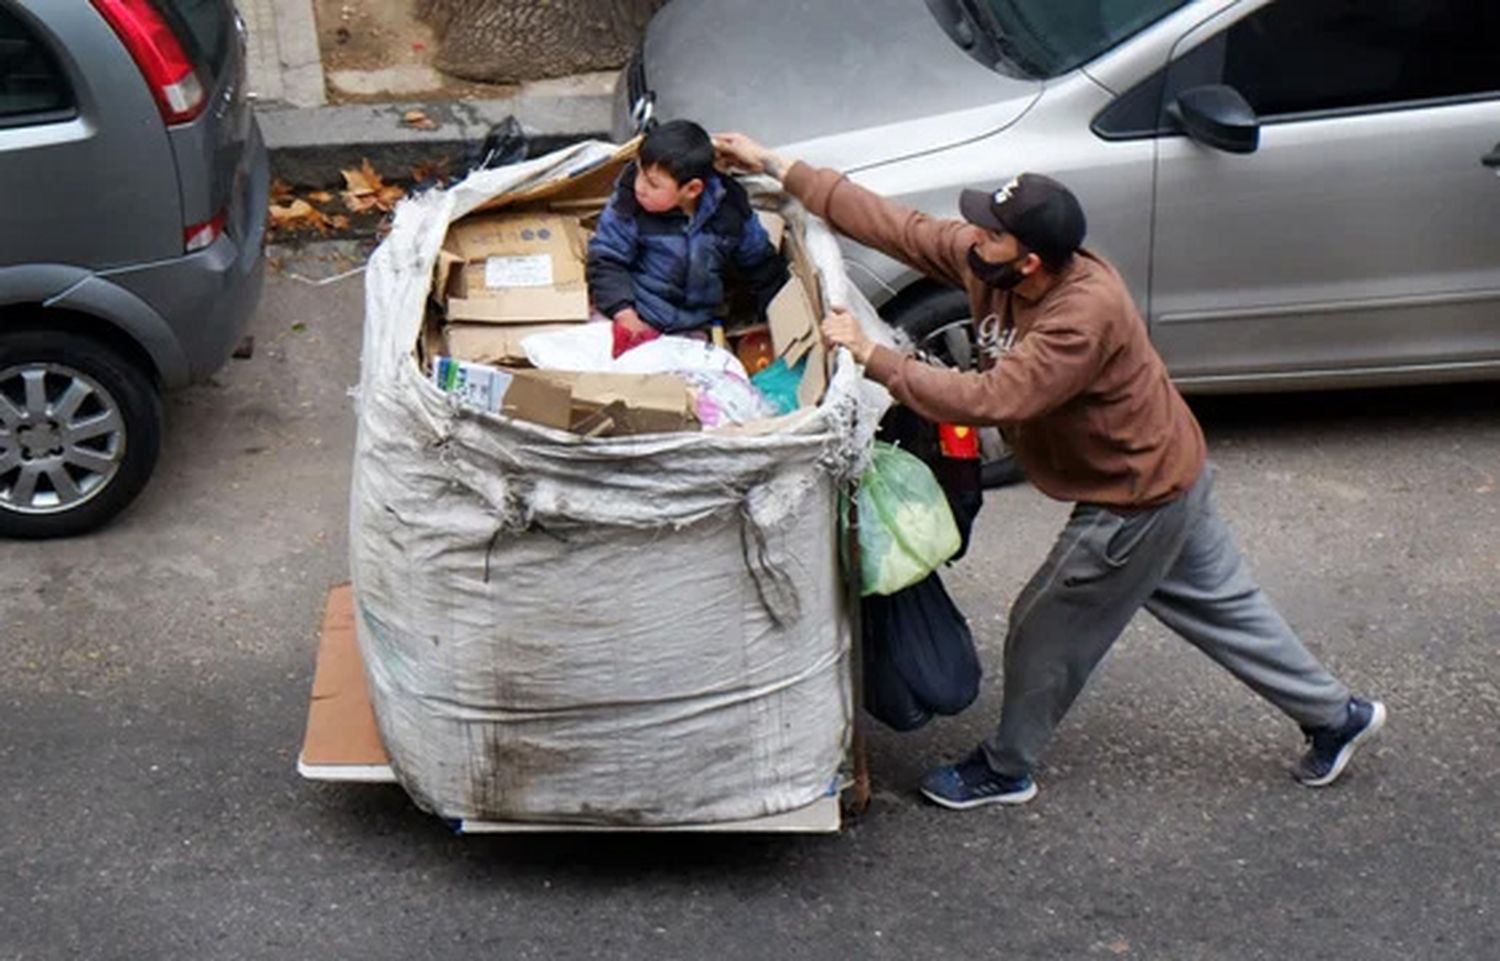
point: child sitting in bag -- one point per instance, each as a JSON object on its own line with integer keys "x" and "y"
{"x": 656, "y": 263}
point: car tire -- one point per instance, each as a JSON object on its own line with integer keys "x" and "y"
{"x": 940, "y": 323}
{"x": 80, "y": 430}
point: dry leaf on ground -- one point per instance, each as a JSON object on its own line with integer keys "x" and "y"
{"x": 366, "y": 191}
{"x": 301, "y": 215}
{"x": 418, "y": 120}
{"x": 281, "y": 192}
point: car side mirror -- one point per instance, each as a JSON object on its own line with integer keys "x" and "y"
{"x": 1218, "y": 117}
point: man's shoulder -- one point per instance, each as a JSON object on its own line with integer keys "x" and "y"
{"x": 1089, "y": 294}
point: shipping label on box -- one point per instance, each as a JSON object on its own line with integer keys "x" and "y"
{"x": 519, "y": 268}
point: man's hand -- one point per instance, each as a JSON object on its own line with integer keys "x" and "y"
{"x": 742, "y": 153}
{"x": 631, "y": 321}
{"x": 841, "y": 329}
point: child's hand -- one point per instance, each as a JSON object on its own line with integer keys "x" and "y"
{"x": 631, "y": 321}
{"x": 841, "y": 329}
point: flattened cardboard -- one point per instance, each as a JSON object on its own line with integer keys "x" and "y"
{"x": 587, "y": 180}
{"x": 498, "y": 344}
{"x": 340, "y": 722}
{"x": 815, "y": 379}
{"x": 794, "y": 327}
{"x": 539, "y": 401}
{"x": 775, "y": 226}
{"x": 522, "y": 306}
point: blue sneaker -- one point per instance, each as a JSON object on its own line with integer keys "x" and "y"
{"x": 1330, "y": 748}
{"x": 971, "y": 783}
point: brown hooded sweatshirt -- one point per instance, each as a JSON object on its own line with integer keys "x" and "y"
{"x": 1082, "y": 396}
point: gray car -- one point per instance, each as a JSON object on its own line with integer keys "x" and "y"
{"x": 1301, "y": 193}
{"x": 130, "y": 256}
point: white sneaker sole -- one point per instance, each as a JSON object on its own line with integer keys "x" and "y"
{"x": 1377, "y": 721}
{"x": 1020, "y": 797}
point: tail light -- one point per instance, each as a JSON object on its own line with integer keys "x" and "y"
{"x": 159, "y": 55}
{"x": 958, "y": 442}
{"x": 200, "y": 236}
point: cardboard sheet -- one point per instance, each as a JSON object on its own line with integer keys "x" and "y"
{"x": 494, "y": 343}
{"x": 341, "y": 731}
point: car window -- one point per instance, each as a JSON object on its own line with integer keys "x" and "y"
{"x": 32, "y": 85}
{"x": 1040, "y": 39}
{"x": 205, "y": 28}
{"x": 1052, "y": 38}
{"x": 1301, "y": 57}
{"x": 1307, "y": 56}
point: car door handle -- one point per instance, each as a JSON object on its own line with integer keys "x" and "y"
{"x": 1492, "y": 159}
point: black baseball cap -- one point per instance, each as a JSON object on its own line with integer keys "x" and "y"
{"x": 1035, "y": 209}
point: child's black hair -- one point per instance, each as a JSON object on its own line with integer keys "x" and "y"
{"x": 681, "y": 148}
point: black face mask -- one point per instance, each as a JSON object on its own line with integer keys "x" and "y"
{"x": 1004, "y": 276}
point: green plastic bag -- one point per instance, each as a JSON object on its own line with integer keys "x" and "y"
{"x": 906, "y": 528}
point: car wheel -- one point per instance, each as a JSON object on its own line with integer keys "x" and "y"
{"x": 80, "y": 429}
{"x": 941, "y": 325}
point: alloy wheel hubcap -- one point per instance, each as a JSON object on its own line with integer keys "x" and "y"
{"x": 62, "y": 438}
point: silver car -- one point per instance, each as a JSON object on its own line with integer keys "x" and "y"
{"x": 1301, "y": 193}
{"x": 135, "y": 184}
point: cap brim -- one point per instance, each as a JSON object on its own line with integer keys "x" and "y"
{"x": 974, "y": 206}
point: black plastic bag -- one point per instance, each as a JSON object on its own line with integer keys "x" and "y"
{"x": 919, "y": 655}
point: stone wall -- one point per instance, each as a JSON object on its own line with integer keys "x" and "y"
{"x": 503, "y": 41}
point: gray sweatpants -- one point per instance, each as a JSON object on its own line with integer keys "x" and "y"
{"x": 1180, "y": 562}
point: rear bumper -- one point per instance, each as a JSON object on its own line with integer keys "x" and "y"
{"x": 207, "y": 298}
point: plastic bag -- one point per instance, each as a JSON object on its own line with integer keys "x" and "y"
{"x": 778, "y": 384}
{"x": 723, "y": 397}
{"x": 919, "y": 655}
{"x": 960, "y": 479}
{"x": 906, "y": 528}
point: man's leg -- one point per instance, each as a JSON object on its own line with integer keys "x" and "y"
{"x": 1098, "y": 575}
{"x": 1210, "y": 598}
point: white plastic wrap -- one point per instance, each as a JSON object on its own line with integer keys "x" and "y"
{"x": 629, "y": 630}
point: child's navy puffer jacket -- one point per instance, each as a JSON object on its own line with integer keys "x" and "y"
{"x": 670, "y": 268}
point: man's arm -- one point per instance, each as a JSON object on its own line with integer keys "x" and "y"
{"x": 1054, "y": 363}
{"x": 937, "y": 248}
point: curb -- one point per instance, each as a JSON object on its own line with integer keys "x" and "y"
{"x": 310, "y": 146}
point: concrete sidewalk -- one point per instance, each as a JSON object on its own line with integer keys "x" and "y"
{"x": 311, "y": 140}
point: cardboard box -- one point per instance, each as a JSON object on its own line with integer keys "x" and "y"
{"x": 653, "y": 403}
{"x": 498, "y": 344}
{"x": 509, "y": 392}
{"x": 514, "y": 268}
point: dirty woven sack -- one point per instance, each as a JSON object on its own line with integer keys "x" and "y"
{"x": 626, "y": 630}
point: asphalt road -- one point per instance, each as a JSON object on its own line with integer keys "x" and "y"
{"x": 154, "y": 680}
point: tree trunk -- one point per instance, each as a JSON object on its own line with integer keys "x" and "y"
{"x": 505, "y": 41}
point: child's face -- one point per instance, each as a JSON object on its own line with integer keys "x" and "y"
{"x": 658, "y": 192}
